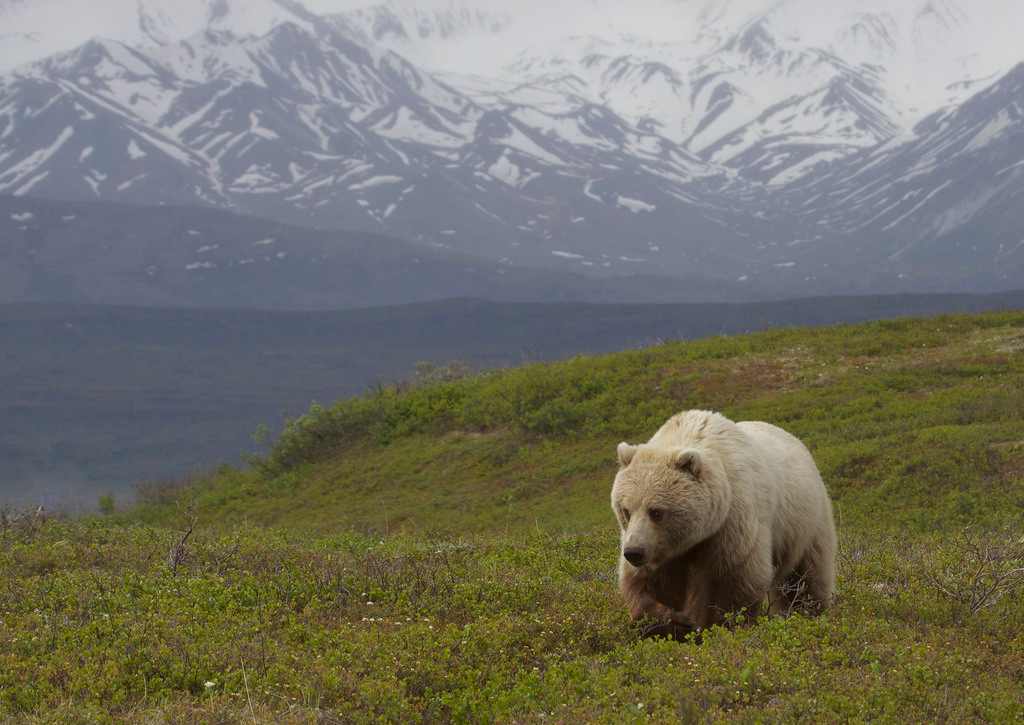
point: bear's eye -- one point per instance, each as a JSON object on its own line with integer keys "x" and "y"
{"x": 656, "y": 515}
{"x": 625, "y": 515}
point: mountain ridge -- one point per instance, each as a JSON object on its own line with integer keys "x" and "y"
{"x": 105, "y": 253}
{"x": 617, "y": 154}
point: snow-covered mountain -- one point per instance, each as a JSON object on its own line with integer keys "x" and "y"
{"x": 779, "y": 143}
{"x": 848, "y": 73}
{"x": 923, "y": 50}
{"x": 947, "y": 200}
{"x": 309, "y": 126}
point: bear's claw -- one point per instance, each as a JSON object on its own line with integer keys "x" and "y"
{"x": 676, "y": 631}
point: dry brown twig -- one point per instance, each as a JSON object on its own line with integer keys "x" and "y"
{"x": 985, "y": 570}
{"x": 179, "y": 550}
{"x": 248, "y": 696}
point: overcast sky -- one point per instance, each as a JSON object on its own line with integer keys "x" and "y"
{"x": 992, "y": 29}
{"x": 324, "y": 6}
{"x": 493, "y": 4}
{"x": 571, "y": 16}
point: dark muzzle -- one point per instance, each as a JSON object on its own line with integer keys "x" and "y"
{"x": 634, "y": 556}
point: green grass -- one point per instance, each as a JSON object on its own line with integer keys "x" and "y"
{"x": 446, "y": 553}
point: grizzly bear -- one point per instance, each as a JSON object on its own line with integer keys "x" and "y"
{"x": 715, "y": 518}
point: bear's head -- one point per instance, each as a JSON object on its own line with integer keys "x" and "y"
{"x": 667, "y": 501}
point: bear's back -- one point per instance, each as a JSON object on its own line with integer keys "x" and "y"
{"x": 778, "y": 447}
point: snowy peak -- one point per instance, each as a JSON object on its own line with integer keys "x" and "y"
{"x": 398, "y": 21}
{"x": 998, "y": 110}
{"x": 755, "y": 43}
{"x": 868, "y": 38}
{"x": 424, "y": 34}
{"x": 940, "y": 18}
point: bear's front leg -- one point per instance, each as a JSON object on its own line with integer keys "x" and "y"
{"x": 743, "y": 588}
{"x": 637, "y": 589}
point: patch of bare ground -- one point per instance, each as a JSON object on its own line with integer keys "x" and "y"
{"x": 473, "y": 435}
{"x": 757, "y": 375}
{"x": 1013, "y": 345}
{"x": 1008, "y": 340}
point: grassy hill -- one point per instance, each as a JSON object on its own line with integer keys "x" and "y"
{"x": 96, "y": 398}
{"x": 445, "y": 552}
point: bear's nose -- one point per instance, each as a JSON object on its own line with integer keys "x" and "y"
{"x": 634, "y": 556}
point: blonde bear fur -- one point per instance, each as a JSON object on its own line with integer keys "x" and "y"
{"x": 718, "y": 516}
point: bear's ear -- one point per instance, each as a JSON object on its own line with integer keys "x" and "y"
{"x": 626, "y": 453}
{"x": 689, "y": 461}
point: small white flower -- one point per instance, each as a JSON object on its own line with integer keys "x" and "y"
{"x": 209, "y": 684}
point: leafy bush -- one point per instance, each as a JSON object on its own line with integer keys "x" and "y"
{"x": 106, "y": 504}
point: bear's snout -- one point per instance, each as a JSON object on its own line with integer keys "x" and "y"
{"x": 635, "y": 555}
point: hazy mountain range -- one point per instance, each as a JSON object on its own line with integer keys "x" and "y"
{"x": 765, "y": 148}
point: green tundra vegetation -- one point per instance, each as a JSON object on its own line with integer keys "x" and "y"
{"x": 444, "y": 551}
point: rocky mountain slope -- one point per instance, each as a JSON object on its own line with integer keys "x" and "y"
{"x": 102, "y": 253}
